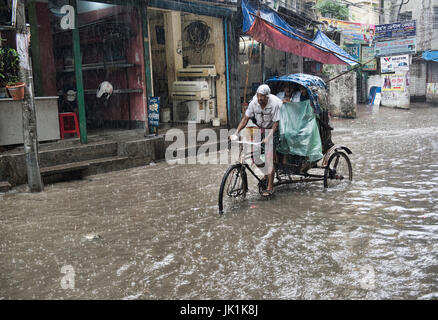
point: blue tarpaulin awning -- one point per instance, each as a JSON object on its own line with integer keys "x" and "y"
{"x": 267, "y": 27}
{"x": 430, "y": 56}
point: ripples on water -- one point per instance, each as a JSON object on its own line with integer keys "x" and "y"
{"x": 161, "y": 236}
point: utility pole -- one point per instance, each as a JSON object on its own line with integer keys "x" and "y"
{"x": 30, "y": 135}
{"x": 79, "y": 77}
{"x": 399, "y": 9}
{"x": 382, "y": 12}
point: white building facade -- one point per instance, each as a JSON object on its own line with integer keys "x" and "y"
{"x": 423, "y": 75}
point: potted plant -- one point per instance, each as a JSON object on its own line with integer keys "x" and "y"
{"x": 9, "y": 75}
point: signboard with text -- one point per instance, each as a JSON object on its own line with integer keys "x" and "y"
{"x": 395, "y": 47}
{"x": 353, "y": 50}
{"x": 154, "y": 112}
{"x": 367, "y": 55}
{"x": 395, "y": 30}
{"x": 394, "y": 64}
{"x": 352, "y": 32}
{"x": 394, "y": 82}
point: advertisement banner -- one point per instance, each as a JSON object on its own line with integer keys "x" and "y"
{"x": 395, "y": 47}
{"x": 394, "y": 82}
{"x": 352, "y": 32}
{"x": 432, "y": 89}
{"x": 367, "y": 55}
{"x": 394, "y": 64}
{"x": 154, "y": 112}
{"x": 395, "y": 30}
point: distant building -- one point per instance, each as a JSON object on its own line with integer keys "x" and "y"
{"x": 425, "y": 13}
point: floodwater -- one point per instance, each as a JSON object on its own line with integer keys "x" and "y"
{"x": 154, "y": 232}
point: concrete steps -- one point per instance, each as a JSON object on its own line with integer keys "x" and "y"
{"x": 5, "y": 186}
{"x": 54, "y": 157}
{"x": 68, "y": 159}
{"x": 71, "y": 161}
{"x": 80, "y": 169}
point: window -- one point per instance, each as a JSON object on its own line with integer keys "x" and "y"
{"x": 5, "y": 12}
{"x": 435, "y": 17}
{"x": 298, "y": 5}
{"x": 405, "y": 16}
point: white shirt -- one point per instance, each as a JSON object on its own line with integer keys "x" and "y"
{"x": 296, "y": 97}
{"x": 281, "y": 95}
{"x": 265, "y": 117}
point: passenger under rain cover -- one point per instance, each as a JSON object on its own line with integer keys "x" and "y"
{"x": 299, "y": 133}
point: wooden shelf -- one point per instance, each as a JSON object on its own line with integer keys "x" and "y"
{"x": 96, "y": 32}
{"x": 99, "y": 66}
{"x": 116, "y": 91}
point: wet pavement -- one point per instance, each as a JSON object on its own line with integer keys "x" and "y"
{"x": 154, "y": 232}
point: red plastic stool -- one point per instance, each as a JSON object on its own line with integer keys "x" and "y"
{"x": 72, "y": 124}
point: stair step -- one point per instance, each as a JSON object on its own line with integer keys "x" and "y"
{"x": 55, "y": 157}
{"x": 5, "y": 186}
{"x": 107, "y": 160}
{"x": 90, "y": 166}
{"x": 63, "y": 168}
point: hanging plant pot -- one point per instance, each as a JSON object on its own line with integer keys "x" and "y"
{"x": 16, "y": 91}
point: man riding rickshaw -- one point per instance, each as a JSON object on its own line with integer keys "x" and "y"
{"x": 291, "y": 132}
{"x": 264, "y": 111}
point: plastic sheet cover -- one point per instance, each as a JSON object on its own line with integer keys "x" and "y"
{"x": 276, "y": 33}
{"x": 430, "y": 56}
{"x": 299, "y": 133}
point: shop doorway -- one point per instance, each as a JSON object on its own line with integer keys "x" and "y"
{"x": 111, "y": 45}
{"x": 188, "y": 67}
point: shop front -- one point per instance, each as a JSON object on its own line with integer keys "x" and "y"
{"x": 188, "y": 61}
{"x": 91, "y": 56}
{"x": 105, "y": 59}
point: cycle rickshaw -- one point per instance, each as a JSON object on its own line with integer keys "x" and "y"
{"x": 305, "y": 152}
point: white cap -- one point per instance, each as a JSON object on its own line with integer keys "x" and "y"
{"x": 264, "y": 90}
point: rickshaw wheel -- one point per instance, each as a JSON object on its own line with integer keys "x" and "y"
{"x": 338, "y": 170}
{"x": 234, "y": 187}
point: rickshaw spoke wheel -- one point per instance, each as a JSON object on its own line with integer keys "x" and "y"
{"x": 233, "y": 187}
{"x": 338, "y": 170}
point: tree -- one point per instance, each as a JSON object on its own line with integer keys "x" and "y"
{"x": 333, "y": 9}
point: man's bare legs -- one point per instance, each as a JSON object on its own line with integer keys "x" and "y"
{"x": 271, "y": 159}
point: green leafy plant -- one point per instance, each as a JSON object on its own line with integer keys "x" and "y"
{"x": 333, "y": 9}
{"x": 9, "y": 66}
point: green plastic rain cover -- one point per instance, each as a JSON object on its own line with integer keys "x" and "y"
{"x": 299, "y": 133}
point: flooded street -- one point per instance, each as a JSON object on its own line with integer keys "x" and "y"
{"x": 154, "y": 232}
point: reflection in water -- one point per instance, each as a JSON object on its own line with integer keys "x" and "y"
{"x": 154, "y": 232}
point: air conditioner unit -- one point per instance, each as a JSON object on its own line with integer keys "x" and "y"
{"x": 189, "y": 111}
{"x": 190, "y": 90}
{"x": 197, "y": 71}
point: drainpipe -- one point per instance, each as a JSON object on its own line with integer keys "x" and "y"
{"x": 227, "y": 72}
